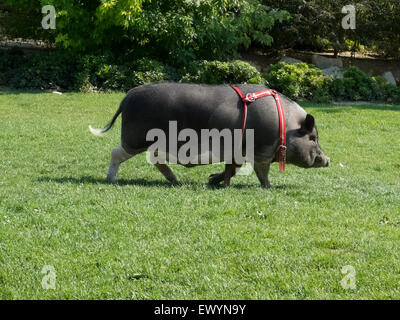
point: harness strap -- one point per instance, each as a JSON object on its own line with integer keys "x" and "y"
{"x": 251, "y": 97}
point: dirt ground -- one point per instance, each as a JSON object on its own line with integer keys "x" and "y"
{"x": 368, "y": 63}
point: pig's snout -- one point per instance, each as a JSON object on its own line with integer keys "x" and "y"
{"x": 321, "y": 161}
{"x": 327, "y": 161}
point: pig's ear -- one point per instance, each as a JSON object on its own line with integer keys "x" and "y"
{"x": 308, "y": 123}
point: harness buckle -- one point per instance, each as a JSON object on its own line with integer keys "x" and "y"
{"x": 250, "y": 97}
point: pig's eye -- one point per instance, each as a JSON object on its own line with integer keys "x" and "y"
{"x": 312, "y": 138}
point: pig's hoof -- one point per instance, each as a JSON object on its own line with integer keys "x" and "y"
{"x": 173, "y": 180}
{"x": 266, "y": 185}
{"x": 111, "y": 180}
{"x": 215, "y": 178}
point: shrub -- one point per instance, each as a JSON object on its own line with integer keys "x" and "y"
{"x": 50, "y": 70}
{"x": 355, "y": 85}
{"x": 65, "y": 70}
{"x": 391, "y": 93}
{"x": 147, "y": 70}
{"x": 215, "y": 72}
{"x": 42, "y": 70}
{"x": 337, "y": 88}
{"x": 380, "y": 81}
{"x": 299, "y": 80}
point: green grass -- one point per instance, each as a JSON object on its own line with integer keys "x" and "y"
{"x": 147, "y": 239}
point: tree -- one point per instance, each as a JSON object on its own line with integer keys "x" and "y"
{"x": 179, "y": 30}
{"x": 378, "y": 26}
{"x": 317, "y": 25}
{"x": 21, "y": 19}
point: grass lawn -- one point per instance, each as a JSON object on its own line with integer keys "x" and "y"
{"x": 147, "y": 239}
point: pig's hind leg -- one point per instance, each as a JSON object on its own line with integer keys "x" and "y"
{"x": 118, "y": 155}
{"x": 166, "y": 171}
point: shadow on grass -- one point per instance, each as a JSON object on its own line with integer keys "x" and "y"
{"x": 121, "y": 182}
{"x": 150, "y": 183}
{"x": 350, "y": 107}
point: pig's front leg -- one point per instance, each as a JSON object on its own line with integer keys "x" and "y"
{"x": 230, "y": 171}
{"x": 262, "y": 169}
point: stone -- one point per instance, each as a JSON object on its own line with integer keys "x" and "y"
{"x": 389, "y": 78}
{"x": 290, "y": 60}
{"x": 325, "y": 62}
{"x": 335, "y": 72}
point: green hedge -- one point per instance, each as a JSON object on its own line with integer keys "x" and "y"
{"x": 215, "y": 72}
{"x": 97, "y": 72}
{"x": 66, "y": 71}
{"x": 299, "y": 81}
{"x": 359, "y": 86}
{"x": 37, "y": 71}
{"x": 303, "y": 81}
{"x": 391, "y": 93}
{"x": 61, "y": 70}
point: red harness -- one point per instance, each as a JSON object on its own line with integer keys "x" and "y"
{"x": 251, "y": 97}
